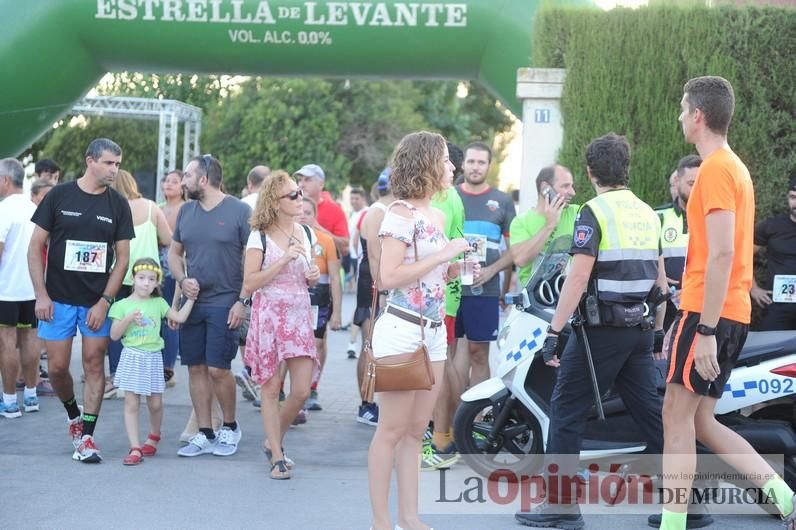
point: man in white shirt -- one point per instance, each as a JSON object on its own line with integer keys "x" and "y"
{"x": 17, "y": 298}
{"x": 253, "y": 182}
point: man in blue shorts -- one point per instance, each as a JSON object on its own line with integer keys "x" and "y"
{"x": 488, "y": 216}
{"x": 89, "y": 227}
{"x": 211, "y": 233}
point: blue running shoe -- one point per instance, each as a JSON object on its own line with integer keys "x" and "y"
{"x": 368, "y": 414}
{"x": 10, "y": 410}
{"x": 31, "y": 404}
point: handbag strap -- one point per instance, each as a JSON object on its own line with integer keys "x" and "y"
{"x": 378, "y": 275}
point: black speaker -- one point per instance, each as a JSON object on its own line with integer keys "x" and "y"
{"x": 147, "y": 183}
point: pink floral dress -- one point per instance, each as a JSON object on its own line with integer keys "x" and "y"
{"x": 281, "y": 324}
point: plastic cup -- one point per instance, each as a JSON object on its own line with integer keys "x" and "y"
{"x": 466, "y": 269}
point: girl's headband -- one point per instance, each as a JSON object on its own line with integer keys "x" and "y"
{"x": 148, "y": 267}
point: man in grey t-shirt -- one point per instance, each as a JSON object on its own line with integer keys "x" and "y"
{"x": 211, "y": 234}
{"x": 488, "y": 213}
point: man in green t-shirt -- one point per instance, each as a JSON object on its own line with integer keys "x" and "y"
{"x": 441, "y": 453}
{"x": 552, "y": 217}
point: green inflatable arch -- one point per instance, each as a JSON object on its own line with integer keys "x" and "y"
{"x": 53, "y": 51}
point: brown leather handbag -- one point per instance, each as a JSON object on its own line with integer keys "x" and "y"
{"x": 402, "y": 371}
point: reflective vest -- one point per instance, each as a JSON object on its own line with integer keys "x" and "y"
{"x": 627, "y": 262}
{"x": 674, "y": 241}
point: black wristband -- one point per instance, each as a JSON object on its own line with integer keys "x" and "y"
{"x": 703, "y": 329}
{"x": 108, "y": 299}
{"x": 551, "y": 331}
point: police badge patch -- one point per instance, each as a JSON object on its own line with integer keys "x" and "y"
{"x": 582, "y": 235}
{"x": 670, "y": 234}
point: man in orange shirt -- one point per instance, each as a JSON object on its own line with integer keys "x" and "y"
{"x": 715, "y": 309}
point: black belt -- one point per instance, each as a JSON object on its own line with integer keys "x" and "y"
{"x": 409, "y": 317}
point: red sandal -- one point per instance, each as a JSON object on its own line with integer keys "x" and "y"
{"x": 149, "y": 449}
{"x": 135, "y": 457}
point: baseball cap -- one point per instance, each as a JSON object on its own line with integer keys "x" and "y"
{"x": 383, "y": 183}
{"x": 311, "y": 170}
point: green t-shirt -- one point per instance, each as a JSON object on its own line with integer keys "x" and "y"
{"x": 146, "y": 337}
{"x": 451, "y": 204}
{"x": 525, "y": 226}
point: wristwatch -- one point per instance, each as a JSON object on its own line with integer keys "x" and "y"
{"x": 247, "y": 300}
{"x": 702, "y": 329}
{"x": 108, "y": 299}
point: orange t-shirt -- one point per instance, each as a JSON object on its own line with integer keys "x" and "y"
{"x": 722, "y": 183}
{"x": 324, "y": 250}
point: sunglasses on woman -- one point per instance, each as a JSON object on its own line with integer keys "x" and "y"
{"x": 293, "y": 195}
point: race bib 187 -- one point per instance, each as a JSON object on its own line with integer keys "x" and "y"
{"x": 85, "y": 256}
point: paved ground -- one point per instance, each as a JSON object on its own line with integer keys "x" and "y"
{"x": 46, "y": 489}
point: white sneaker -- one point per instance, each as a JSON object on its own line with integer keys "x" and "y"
{"x": 199, "y": 445}
{"x": 227, "y": 441}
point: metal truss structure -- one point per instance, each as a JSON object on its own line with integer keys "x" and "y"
{"x": 168, "y": 112}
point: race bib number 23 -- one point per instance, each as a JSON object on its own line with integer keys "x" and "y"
{"x": 85, "y": 256}
{"x": 784, "y": 288}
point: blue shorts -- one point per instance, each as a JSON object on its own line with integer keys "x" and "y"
{"x": 478, "y": 318}
{"x": 67, "y": 319}
{"x": 205, "y": 338}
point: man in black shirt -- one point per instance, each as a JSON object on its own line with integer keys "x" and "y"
{"x": 88, "y": 224}
{"x": 777, "y": 236}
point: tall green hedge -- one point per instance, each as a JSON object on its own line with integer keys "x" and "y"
{"x": 626, "y": 70}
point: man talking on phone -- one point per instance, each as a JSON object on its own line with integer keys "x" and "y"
{"x": 552, "y": 217}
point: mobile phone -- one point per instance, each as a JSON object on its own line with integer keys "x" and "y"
{"x": 550, "y": 194}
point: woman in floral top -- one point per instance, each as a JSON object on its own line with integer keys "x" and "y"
{"x": 420, "y": 166}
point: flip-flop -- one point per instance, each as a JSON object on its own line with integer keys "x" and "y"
{"x": 282, "y": 473}
{"x": 288, "y": 462}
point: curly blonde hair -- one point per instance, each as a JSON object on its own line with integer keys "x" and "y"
{"x": 267, "y": 210}
{"x": 125, "y": 184}
{"x": 417, "y": 167}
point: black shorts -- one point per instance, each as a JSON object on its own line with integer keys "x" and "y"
{"x": 18, "y": 314}
{"x": 730, "y": 338}
{"x": 324, "y": 312}
{"x": 346, "y": 262}
{"x": 364, "y": 288}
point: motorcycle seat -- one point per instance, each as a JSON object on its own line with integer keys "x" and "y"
{"x": 763, "y": 345}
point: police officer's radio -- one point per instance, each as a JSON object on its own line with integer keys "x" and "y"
{"x": 592, "y": 310}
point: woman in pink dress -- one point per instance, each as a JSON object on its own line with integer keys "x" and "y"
{"x": 281, "y": 327}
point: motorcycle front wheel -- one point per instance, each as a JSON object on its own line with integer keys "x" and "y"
{"x": 517, "y": 446}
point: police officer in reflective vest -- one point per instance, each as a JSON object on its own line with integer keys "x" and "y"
{"x": 616, "y": 267}
{"x": 674, "y": 231}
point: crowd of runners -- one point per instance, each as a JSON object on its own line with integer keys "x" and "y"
{"x": 206, "y": 276}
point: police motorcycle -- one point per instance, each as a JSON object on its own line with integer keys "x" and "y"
{"x": 502, "y": 423}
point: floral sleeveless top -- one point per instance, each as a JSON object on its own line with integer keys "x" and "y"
{"x": 429, "y": 299}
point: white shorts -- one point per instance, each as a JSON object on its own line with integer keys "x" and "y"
{"x": 393, "y": 335}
